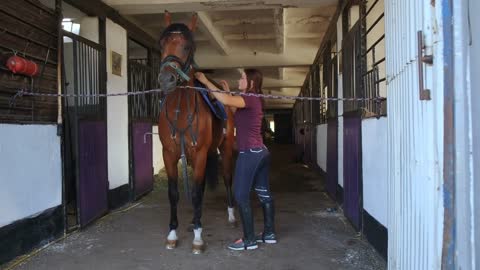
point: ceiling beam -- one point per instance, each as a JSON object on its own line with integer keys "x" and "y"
{"x": 305, "y": 35}
{"x": 279, "y": 29}
{"x": 243, "y": 21}
{"x": 155, "y": 6}
{"x": 245, "y": 60}
{"x": 213, "y": 34}
{"x": 281, "y": 73}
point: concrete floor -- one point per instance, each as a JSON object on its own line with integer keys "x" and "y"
{"x": 309, "y": 236}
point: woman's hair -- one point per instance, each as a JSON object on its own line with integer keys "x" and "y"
{"x": 255, "y": 77}
{"x": 254, "y": 82}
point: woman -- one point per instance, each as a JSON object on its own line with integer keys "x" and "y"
{"x": 253, "y": 162}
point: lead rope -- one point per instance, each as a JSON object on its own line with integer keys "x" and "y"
{"x": 184, "y": 168}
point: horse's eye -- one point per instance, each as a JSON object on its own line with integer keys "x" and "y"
{"x": 187, "y": 48}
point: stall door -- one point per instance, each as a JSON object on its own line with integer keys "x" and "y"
{"x": 87, "y": 125}
{"x": 352, "y": 140}
{"x": 141, "y": 149}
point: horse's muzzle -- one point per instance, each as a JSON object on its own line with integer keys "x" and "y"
{"x": 167, "y": 81}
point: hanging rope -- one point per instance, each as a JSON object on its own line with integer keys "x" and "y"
{"x": 23, "y": 92}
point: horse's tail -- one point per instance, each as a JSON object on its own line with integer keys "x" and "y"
{"x": 211, "y": 170}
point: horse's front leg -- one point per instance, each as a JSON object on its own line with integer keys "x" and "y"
{"x": 173, "y": 197}
{"x": 198, "y": 190}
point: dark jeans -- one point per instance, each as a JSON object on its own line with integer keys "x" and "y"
{"x": 252, "y": 170}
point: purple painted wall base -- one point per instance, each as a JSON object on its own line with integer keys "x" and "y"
{"x": 352, "y": 150}
{"x": 92, "y": 166}
{"x": 142, "y": 158}
{"x": 332, "y": 157}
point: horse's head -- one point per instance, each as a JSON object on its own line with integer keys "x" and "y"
{"x": 177, "y": 47}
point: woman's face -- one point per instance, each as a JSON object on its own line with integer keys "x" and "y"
{"x": 242, "y": 82}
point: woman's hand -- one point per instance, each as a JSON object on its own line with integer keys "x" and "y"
{"x": 225, "y": 85}
{"x": 201, "y": 77}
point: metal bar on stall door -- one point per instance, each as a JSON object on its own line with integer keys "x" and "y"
{"x": 373, "y": 55}
{"x": 377, "y": 91}
{"x": 75, "y": 129}
{"x": 97, "y": 84}
{"x": 80, "y": 79}
{"x": 83, "y": 40}
{"x": 90, "y": 79}
{"x": 84, "y": 79}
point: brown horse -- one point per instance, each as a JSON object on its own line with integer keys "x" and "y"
{"x": 189, "y": 131}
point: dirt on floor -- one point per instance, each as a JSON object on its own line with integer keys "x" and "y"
{"x": 311, "y": 235}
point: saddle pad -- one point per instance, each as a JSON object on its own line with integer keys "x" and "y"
{"x": 216, "y": 106}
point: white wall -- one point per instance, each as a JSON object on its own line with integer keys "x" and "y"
{"x": 475, "y": 99}
{"x": 157, "y": 151}
{"x": 374, "y": 167}
{"x": 89, "y": 28}
{"x": 415, "y": 137}
{"x": 467, "y": 131}
{"x": 30, "y": 171}
{"x": 322, "y": 146}
{"x": 117, "y": 108}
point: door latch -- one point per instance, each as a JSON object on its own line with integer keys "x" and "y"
{"x": 424, "y": 93}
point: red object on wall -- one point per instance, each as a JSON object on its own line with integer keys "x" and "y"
{"x": 19, "y": 65}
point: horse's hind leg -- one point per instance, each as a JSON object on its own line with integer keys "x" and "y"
{"x": 173, "y": 197}
{"x": 227, "y": 165}
{"x": 197, "y": 201}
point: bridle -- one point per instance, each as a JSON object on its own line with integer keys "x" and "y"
{"x": 181, "y": 73}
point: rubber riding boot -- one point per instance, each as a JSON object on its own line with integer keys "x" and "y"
{"x": 248, "y": 241}
{"x": 268, "y": 236}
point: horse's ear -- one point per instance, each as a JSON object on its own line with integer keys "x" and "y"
{"x": 168, "y": 18}
{"x": 193, "y": 22}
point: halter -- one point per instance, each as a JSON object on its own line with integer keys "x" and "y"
{"x": 172, "y": 60}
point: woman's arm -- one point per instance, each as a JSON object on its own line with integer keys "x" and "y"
{"x": 226, "y": 87}
{"x": 225, "y": 98}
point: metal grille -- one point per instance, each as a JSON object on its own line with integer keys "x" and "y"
{"x": 139, "y": 80}
{"x": 332, "y": 88}
{"x": 372, "y": 89}
{"x": 155, "y": 98}
{"x": 352, "y": 66}
{"x": 87, "y": 76}
{"x": 374, "y": 78}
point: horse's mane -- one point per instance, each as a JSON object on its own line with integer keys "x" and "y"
{"x": 182, "y": 28}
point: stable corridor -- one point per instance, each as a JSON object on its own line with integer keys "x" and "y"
{"x": 313, "y": 234}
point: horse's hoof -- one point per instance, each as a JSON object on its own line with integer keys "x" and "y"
{"x": 198, "y": 249}
{"x": 190, "y": 227}
{"x": 171, "y": 244}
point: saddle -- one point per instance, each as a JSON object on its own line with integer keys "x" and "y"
{"x": 217, "y": 108}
